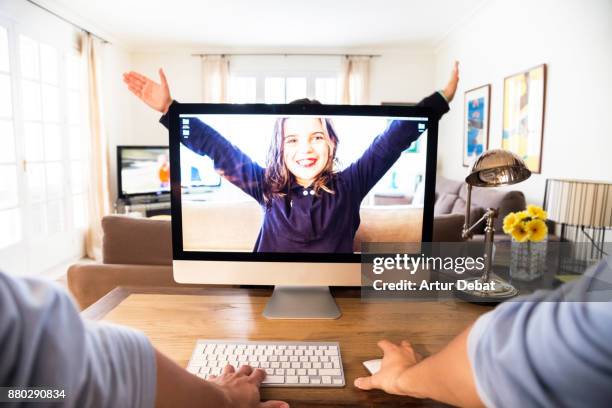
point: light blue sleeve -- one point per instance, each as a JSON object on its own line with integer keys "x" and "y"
{"x": 44, "y": 342}
{"x": 548, "y": 349}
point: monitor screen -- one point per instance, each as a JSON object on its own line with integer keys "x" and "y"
{"x": 145, "y": 170}
{"x": 310, "y": 183}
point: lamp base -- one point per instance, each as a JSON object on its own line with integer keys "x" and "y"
{"x": 494, "y": 290}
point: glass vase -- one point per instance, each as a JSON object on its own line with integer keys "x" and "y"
{"x": 528, "y": 260}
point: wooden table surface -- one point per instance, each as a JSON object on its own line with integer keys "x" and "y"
{"x": 173, "y": 318}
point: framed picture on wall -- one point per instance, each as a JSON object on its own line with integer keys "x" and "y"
{"x": 476, "y": 123}
{"x": 523, "y": 120}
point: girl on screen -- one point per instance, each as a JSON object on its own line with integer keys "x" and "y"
{"x": 308, "y": 205}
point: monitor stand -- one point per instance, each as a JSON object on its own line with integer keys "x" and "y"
{"x": 301, "y": 302}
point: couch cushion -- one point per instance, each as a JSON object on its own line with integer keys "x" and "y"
{"x": 444, "y": 185}
{"x": 445, "y": 203}
{"x": 504, "y": 200}
{"x": 475, "y": 213}
{"x": 136, "y": 241}
{"x": 389, "y": 223}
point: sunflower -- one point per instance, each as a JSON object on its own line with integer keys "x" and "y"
{"x": 520, "y": 233}
{"x": 537, "y": 230}
{"x": 522, "y": 215}
{"x": 510, "y": 222}
{"x": 535, "y": 211}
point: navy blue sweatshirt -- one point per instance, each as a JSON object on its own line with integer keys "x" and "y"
{"x": 303, "y": 221}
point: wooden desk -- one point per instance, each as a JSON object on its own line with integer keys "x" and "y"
{"x": 174, "y": 318}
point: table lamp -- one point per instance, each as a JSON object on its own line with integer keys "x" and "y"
{"x": 584, "y": 208}
{"x": 492, "y": 169}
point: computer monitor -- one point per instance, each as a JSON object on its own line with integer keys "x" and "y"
{"x": 145, "y": 171}
{"x": 303, "y": 187}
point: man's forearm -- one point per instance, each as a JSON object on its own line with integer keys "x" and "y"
{"x": 445, "y": 376}
{"x": 178, "y": 388}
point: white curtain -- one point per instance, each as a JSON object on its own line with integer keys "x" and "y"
{"x": 355, "y": 81}
{"x": 99, "y": 203}
{"x": 215, "y": 78}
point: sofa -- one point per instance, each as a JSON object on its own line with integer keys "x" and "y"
{"x": 451, "y": 196}
{"x": 138, "y": 251}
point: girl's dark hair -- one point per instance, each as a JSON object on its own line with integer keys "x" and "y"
{"x": 277, "y": 178}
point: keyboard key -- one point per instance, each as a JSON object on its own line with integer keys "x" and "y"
{"x": 338, "y": 381}
{"x": 326, "y": 379}
{"x": 274, "y": 379}
{"x": 304, "y": 379}
{"x": 291, "y": 379}
{"x": 330, "y": 371}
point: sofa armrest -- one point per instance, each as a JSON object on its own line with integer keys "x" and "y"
{"x": 89, "y": 282}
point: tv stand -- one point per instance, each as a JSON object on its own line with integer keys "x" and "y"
{"x": 148, "y": 206}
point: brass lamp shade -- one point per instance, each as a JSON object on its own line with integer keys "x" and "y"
{"x": 497, "y": 167}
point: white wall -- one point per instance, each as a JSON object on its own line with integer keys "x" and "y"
{"x": 117, "y": 116}
{"x": 399, "y": 75}
{"x": 574, "y": 38}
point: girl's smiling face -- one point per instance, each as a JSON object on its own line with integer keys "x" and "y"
{"x": 306, "y": 148}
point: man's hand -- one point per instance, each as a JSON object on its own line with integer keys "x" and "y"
{"x": 451, "y": 86}
{"x": 150, "y": 92}
{"x": 241, "y": 388}
{"x": 396, "y": 360}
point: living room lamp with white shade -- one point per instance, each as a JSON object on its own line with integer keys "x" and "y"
{"x": 492, "y": 169}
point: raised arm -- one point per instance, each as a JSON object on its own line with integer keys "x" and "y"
{"x": 234, "y": 165}
{"x": 387, "y": 147}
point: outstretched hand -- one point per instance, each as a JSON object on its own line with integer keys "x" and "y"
{"x": 451, "y": 86}
{"x": 396, "y": 360}
{"x": 156, "y": 95}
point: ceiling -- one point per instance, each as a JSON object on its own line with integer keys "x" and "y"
{"x": 157, "y": 24}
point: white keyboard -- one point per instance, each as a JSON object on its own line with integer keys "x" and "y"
{"x": 287, "y": 364}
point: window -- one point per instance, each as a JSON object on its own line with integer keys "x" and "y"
{"x": 283, "y": 79}
{"x": 242, "y": 89}
{"x": 10, "y": 212}
{"x": 42, "y": 152}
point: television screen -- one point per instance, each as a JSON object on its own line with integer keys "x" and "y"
{"x": 145, "y": 170}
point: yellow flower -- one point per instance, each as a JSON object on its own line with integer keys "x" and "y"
{"x": 520, "y": 233}
{"x": 535, "y": 211}
{"x": 510, "y": 221}
{"x": 537, "y": 230}
{"x": 521, "y": 215}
